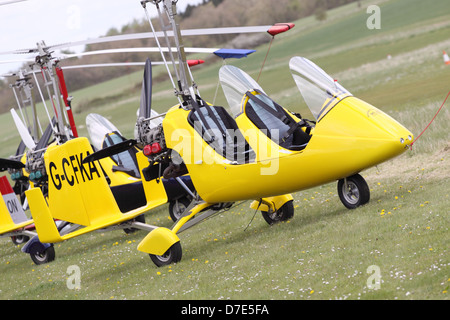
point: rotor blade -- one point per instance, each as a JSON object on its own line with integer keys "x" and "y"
{"x": 6, "y": 164}
{"x": 131, "y": 50}
{"x": 23, "y": 131}
{"x": 100, "y": 65}
{"x": 146, "y": 92}
{"x": 10, "y": 2}
{"x": 110, "y": 151}
{"x": 16, "y": 60}
{"x": 143, "y": 35}
{"x": 125, "y": 64}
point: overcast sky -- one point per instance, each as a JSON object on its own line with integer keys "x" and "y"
{"x": 26, "y": 22}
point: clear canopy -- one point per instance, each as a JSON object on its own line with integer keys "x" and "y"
{"x": 319, "y": 90}
{"x": 97, "y": 127}
{"x": 235, "y": 83}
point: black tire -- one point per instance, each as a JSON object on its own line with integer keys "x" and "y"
{"x": 18, "y": 240}
{"x": 286, "y": 212}
{"x": 356, "y": 193}
{"x": 177, "y": 208}
{"x": 40, "y": 255}
{"x": 140, "y": 218}
{"x": 173, "y": 255}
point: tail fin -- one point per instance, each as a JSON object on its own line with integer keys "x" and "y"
{"x": 43, "y": 220}
{"x": 78, "y": 193}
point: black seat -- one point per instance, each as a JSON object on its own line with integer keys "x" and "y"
{"x": 221, "y": 132}
{"x": 275, "y": 122}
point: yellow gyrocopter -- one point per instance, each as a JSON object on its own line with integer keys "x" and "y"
{"x": 28, "y": 169}
{"x": 262, "y": 152}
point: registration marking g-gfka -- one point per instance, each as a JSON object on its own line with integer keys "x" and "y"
{"x": 59, "y": 172}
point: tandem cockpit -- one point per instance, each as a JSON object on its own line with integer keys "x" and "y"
{"x": 252, "y": 113}
{"x": 254, "y": 109}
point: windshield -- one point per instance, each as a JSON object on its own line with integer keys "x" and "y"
{"x": 235, "y": 83}
{"x": 320, "y": 92}
{"x": 97, "y": 127}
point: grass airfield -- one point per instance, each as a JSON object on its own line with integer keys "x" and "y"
{"x": 326, "y": 251}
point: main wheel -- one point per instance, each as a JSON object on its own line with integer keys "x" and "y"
{"x": 177, "y": 208}
{"x": 353, "y": 191}
{"x": 39, "y": 255}
{"x": 286, "y": 212}
{"x": 17, "y": 240}
{"x": 172, "y": 255}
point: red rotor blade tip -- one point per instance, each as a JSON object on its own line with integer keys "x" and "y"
{"x": 280, "y": 28}
{"x": 194, "y": 62}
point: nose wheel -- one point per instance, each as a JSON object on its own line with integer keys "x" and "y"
{"x": 353, "y": 191}
{"x": 173, "y": 255}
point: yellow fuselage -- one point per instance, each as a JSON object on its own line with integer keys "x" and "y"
{"x": 351, "y": 137}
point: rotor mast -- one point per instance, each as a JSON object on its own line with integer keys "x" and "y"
{"x": 48, "y": 67}
{"x": 184, "y": 89}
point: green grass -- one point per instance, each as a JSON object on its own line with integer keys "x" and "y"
{"x": 324, "y": 252}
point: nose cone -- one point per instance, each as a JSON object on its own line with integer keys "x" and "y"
{"x": 364, "y": 131}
